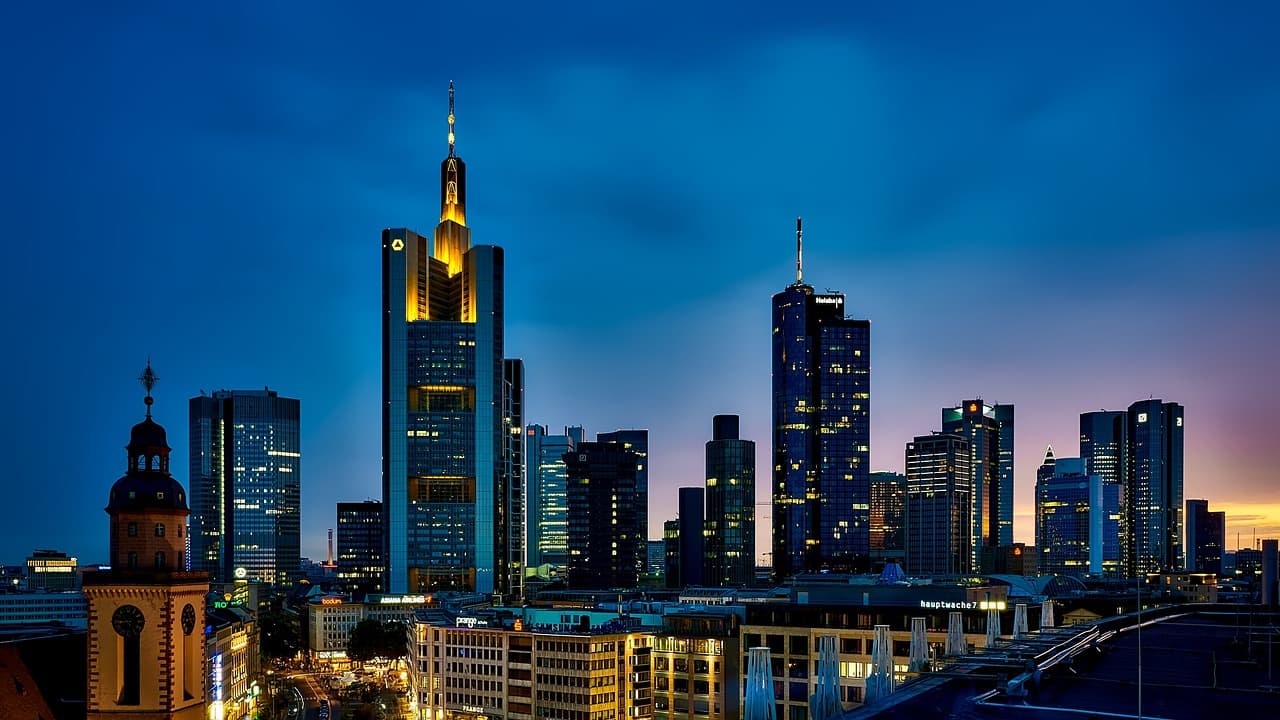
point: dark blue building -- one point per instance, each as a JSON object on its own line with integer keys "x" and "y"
{"x": 1077, "y": 521}
{"x": 602, "y": 518}
{"x": 1155, "y": 485}
{"x": 731, "y": 506}
{"x": 821, "y": 433}
{"x": 989, "y": 430}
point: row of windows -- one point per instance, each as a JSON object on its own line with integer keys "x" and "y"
{"x": 159, "y": 530}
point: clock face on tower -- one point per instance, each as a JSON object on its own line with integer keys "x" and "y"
{"x": 188, "y": 619}
{"x": 128, "y": 621}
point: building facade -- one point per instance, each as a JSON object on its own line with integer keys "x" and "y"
{"x": 730, "y": 522}
{"x": 1206, "y": 537}
{"x": 939, "y": 497}
{"x": 234, "y": 662}
{"x": 360, "y": 565}
{"x": 51, "y": 571}
{"x": 548, "y": 505}
{"x": 445, "y": 450}
{"x": 1155, "y": 485}
{"x": 695, "y": 665}
{"x": 821, "y": 433}
{"x": 602, "y": 516}
{"x": 888, "y": 501}
{"x": 475, "y": 667}
{"x": 67, "y": 608}
{"x": 989, "y": 430}
{"x": 513, "y": 464}
{"x": 1077, "y": 521}
{"x": 245, "y": 459}
{"x": 692, "y": 505}
{"x": 146, "y": 614}
{"x": 1104, "y": 447}
{"x": 636, "y": 441}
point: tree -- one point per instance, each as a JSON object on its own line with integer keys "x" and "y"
{"x": 372, "y": 640}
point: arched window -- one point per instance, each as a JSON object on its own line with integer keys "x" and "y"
{"x": 159, "y": 530}
{"x": 160, "y": 560}
{"x": 155, "y": 462}
{"x": 142, "y": 463}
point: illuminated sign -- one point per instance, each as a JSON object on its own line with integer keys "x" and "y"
{"x": 1179, "y": 422}
{"x": 948, "y": 605}
{"x": 518, "y": 625}
{"x": 828, "y": 299}
{"x": 215, "y": 674}
{"x": 402, "y": 599}
{"x": 397, "y": 244}
{"x": 476, "y": 709}
{"x": 241, "y": 573}
{"x": 331, "y": 601}
{"x": 472, "y": 622}
{"x": 1142, "y": 417}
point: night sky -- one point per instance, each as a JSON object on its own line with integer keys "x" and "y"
{"x": 1064, "y": 212}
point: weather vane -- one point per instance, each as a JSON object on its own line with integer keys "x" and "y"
{"x": 148, "y": 378}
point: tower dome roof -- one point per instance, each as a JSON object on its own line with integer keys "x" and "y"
{"x": 147, "y": 483}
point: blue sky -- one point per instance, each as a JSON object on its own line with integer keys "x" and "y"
{"x": 1062, "y": 211}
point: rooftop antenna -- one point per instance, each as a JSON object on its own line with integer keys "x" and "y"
{"x": 799, "y": 251}
{"x": 330, "y": 564}
{"x": 451, "y": 154}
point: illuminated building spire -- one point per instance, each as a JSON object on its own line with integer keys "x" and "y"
{"x": 799, "y": 252}
{"x": 451, "y": 153}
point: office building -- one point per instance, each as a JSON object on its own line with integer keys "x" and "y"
{"x": 51, "y": 571}
{"x": 939, "y": 527}
{"x": 989, "y": 430}
{"x": 695, "y": 664}
{"x": 730, "y": 522}
{"x": 513, "y": 465}
{"x": 331, "y": 618}
{"x": 360, "y": 565}
{"x": 146, "y": 645}
{"x": 246, "y": 484}
{"x": 232, "y": 654}
{"x": 1206, "y": 537}
{"x": 671, "y": 543}
{"x": 888, "y": 498}
{"x": 637, "y": 441}
{"x": 537, "y": 664}
{"x": 602, "y": 516}
{"x": 821, "y": 432}
{"x": 692, "y": 539}
{"x": 548, "y": 505}
{"x": 657, "y": 559}
{"x": 1077, "y": 522}
{"x": 1104, "y": 447}
{"x": 445, "y": 456}
{"x": 1155, "y": 485}
{"x": 67, "y": 608}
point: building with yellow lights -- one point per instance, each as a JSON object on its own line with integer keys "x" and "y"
{"x": 232, "y": 659}
{"x": 525, "y": 664}
{"x": 452, "y": 493}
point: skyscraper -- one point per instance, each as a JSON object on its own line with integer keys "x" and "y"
{"x": 603, "y": 521}
{"x": 246, "y": 486}
{"x": 360, "y": 565}
{"x": 1155, "y": 485}
{"x": 513, "y": 466}
{"x": 1206, "y": 537}
{"x": 146, "y": 620}
{"x": 445, "y": 455}
{"x": 1077, "y": 520}
{"x": 637, "y": 441}
{"x": 692, "y": 540}
{"x": 888, "y": 495}
{"x": 1104, "y": 447}
{"x": 939, "y": 527}
{"x": 821, "y": 432}
{"x": 989, "y": 429}
{"x": 730, "y": 523}
{"x": 548, "y": 506}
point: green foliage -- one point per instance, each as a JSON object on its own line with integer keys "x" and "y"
{"x": 279, "y": 636}
{"x": 372, "y": 640}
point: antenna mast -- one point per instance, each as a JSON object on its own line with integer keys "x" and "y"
{"x": 799, "y": 251}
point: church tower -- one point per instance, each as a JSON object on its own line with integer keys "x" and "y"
{"x": 146, "y": 613}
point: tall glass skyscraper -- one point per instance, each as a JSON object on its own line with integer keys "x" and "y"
{"x": 548, "y": 506}
{"x": 637, "y": 441}
{"x": 1077, "y": 520}
{"x": 603, "y": 522}
{"x": 360, "y": 565}
{"x": 1104, "y": 448}
{"x": 1155, "y": 485}
{"x": 730, "y": 524}
{"x": 245, "y": 486}
{"x": 989, "y": 429}
{"x": 821, "y": 433}
{"x": 939, "y": 525}
{"x": 445, "y": 387}
{"x": 888, "y": 495}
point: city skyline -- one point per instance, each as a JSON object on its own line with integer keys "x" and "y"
{"x": 1055, "y": 185}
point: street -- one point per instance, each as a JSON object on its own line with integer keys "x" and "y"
{"x": 311, "y": 689}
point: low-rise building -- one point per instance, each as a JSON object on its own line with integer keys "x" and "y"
{"x": 1188, "y": 586}
{"x": 522, "y": 664}
{"x": 232, "y": 661}
{"x": 696, "y": 664}
{"x": 68, "y": 608}
{"x": 331, "y": 618}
